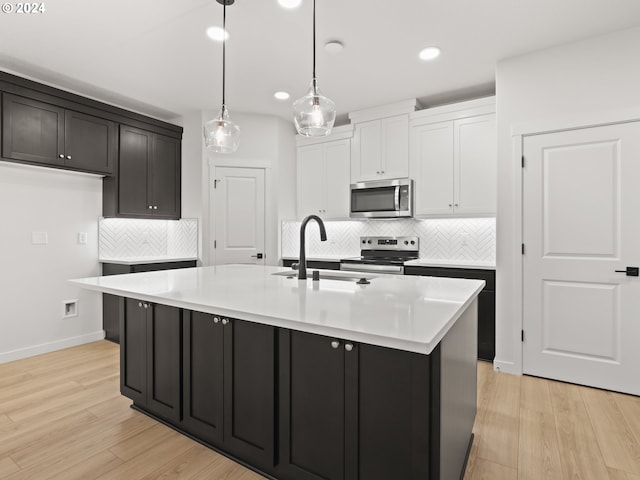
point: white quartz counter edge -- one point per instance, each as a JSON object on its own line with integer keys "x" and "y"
{"x": 202, "y": 305}
{"x": 144, "y": 260}
{"x": 430, "y": 262}
{"x": 326, "y": 258}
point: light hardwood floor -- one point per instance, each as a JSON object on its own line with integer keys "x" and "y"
{"x": 62, "y": 417}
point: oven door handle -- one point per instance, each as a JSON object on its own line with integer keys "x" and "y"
{"x": 351, "y": 267}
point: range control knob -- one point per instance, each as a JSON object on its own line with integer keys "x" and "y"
{"x": 413, "y": 242}
{"x": 369, "y": 242}
{"x": 364, "y": 241}
{"x": 406, "y": 242}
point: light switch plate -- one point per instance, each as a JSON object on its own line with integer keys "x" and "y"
{"x": 39, "y": 238}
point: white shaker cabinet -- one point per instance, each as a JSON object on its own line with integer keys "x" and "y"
{"x": 323, "y": 179}
{"x": 380, "y": 149}
{"x": 453, "y": 162}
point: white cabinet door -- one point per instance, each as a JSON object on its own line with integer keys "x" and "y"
{"x": 366, "y": 154}
{"x": 475, "y": 161}
{"x": 432, "y": 168}
{"x": 310, "y": 176}
{"x": 380, "y": 149}
{"x": 337, "y": 157}
{"x": 395, "y": 147}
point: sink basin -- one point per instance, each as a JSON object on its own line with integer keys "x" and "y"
{"x": 328, "y": 275}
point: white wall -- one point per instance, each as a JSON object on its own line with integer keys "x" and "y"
{"x": 33, "y": 278}
{"x": 561, "y": 85}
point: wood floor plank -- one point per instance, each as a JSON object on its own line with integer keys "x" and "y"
{"x": 486, "y": 470}
{"x": 579, "y": 452}
{"x": 620, "y": 449}
{"x": 619, "y": 475}
{"x": 7, "y": 467}
{"x": 629, "y": 405}
{"x": 188, "y": 466}
{"x": 89, "y": 468}
{"x": 539, "y": 455}
{"x": 534, "y": 394}
{"x": 161, "y": 454}
{"x": 141, "y": 442}
{"x": 498, "y": 434}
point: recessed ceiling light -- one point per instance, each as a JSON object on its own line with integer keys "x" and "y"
{"x": 217, "y": 34}
{"x": 333, "y": 46}
{"x": 429, "y": 53}
{"x": 289, "y": 3}
{"x": 281, "y": 95}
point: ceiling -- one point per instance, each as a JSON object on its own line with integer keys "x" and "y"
{"x": 153, "y": 56}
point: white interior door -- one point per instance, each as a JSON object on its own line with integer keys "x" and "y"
{"x": 580, "y": 225}
{"x": 238, "y": 215}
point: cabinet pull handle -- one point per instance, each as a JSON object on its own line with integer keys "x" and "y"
{"x": 348, "y": 347}
{"x": 216, "y": 319}
{"x": 335, "y": 344}
{"x": 225, "y": 321}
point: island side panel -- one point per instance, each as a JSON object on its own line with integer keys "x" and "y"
{"x": 458, "y": 392}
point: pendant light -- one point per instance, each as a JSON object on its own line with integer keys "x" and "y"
{"x": 221, "y": 135}
{"x": 314, "y": 113}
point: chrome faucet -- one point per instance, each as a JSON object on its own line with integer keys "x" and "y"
{"x": 302, "y": 269}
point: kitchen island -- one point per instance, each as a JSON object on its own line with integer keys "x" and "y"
{"x": 305, "y": 379}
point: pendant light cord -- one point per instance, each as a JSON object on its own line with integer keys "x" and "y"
{"x": 314, "y": 39}
{"x": 224, "y": 42}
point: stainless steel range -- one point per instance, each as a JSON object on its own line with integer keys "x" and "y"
{"x": 383, "y": 255}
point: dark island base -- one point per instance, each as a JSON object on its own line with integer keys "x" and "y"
{"x": 299, "y": 406}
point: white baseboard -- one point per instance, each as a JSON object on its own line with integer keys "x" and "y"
{"x": 506, "y": 367}
{"x": 50, "y": 347}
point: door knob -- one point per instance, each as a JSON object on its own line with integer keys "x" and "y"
{"x": 630, "y": 271}
{"x": 258, "y": 256}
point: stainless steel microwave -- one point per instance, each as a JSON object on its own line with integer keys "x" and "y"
{"x": 382, "y": 199}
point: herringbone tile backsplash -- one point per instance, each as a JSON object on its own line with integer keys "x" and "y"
{"x": 443, "y": 239}
{"x": 126, "y": 238}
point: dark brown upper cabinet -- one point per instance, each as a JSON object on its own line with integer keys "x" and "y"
{"x": 45, "y": 134}
{"x": 147, "y": 183}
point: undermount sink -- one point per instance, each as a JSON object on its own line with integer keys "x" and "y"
{"x": 330, "y": 275}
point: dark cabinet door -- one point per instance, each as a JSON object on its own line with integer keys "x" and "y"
{"x": 90, "y": 143}
{"x": 164, "y": 193}
{"x": 249, "y": 398}
{"x": 133, "y": 172}
{"x": 164, "y": 361}
{"x": 203, "y": 376}
{"x": 392, "y": 409}
{"x": 133, "y": 350}
{"x": 312, "y": 407}
{"x": 32, "y": 131}
{"x": 487, "y": 325}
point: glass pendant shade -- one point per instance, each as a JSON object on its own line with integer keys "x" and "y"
{"x": 314, "y": 114}
{"x": 221, "y": 135}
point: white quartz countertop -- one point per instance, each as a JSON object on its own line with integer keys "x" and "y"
{"x": 320, "y": 258}
{"x": 410, "y": 313}
{"x": 436, "y": 262}
{"x": 143, "y": 260}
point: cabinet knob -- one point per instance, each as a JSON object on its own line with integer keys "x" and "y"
{"x": 225, "y": 321}
{"x": 155, "y": 207}
{"x": 378, "y": 172}
{"x": 335, "y": 344}
{"x": 139, "y": 304}
{"x": 146, "y": 305}
{"x": 450, "y": 205}
{"x": 455, "y": 205}
{"x": 381, "y": 171}
{"x": 216, "y": 319}
{"x": 61, "y": 155}
{"x": 68, "y": 157}
{"x": 348, "y": 347}
{"x": 150, "y": 207}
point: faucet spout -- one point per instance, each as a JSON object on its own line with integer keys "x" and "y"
{"x": 302, "y": 271}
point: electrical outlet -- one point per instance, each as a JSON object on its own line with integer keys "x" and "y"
{"x": 39, "y": 238}
{"x": 82, "y": 238}
{"x": 70, "y": 308}
{"x": 464, "y": 237}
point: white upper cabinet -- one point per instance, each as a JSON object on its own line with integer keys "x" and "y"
{"x": 453, "y": 159}
{"x": 380, "y": 145}
{"x": 323, "y": 170}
